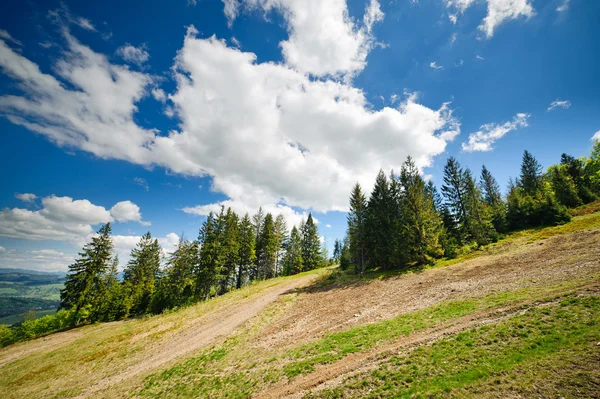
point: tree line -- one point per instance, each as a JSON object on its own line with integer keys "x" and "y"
{"x": 406, "y": 221}
{"x": 229, "y": 253}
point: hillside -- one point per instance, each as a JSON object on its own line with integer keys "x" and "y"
{"x": 519, "y": 318}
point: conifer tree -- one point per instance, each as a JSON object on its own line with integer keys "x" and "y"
{"x": 281, "y": 236}
{"x": 421, "y": 225}
{"x": 212, "y": 257}
{"x": 479, "y": 214}
{"x": 141, "y": 272}
{"x": 85, "y": 286}
{"x": 266, "y": 249}
{"x": 292, "y": 263}
{"x": 257, "y": 222}
{"x": 247, "y": 250}
{"x": 230, "y": 247}
{"x": 531, "y": 174}
{"x": 337, "y": 250}
{"x": 118, "y": 302}
{"x": 357, "y": 220}
{"x": 311, "y": 245}
{"x": 493, "y": 199}
{"x": 454, "y": 191}
{"x": 381, "y": 227}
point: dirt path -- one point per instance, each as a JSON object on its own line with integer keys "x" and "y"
{"x": 199, "y": 336}
{"x": 327, "y": 376}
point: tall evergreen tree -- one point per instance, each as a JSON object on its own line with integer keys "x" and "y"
{"x": 421, "y": 225}
{"x": 357, "y": 221}
{"x": 381, "y": 226}
{"x": 281, "y": 236}
{"x": 212, "y": 259}
{"x": 85, "y": 285}
{"x": 311, "y": 245}
{"x": 292, "y": 263}
{"x": 141, "y": 272}
{"x": 257, "y": 221}
{"x": 230, "y": 249}
{"x": 337, "y": 250}
{"x": 531, "y": 174}
{"x": 247, "y": 250}
{"x": 266, "y": 249}
{"x": 493, "y": 199}
{"x": 454, "y": 191}
{"x": 479, "y": 214}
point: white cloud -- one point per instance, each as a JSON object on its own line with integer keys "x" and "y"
{"x": 564, "y": 6}
{"x": 6, "y": 36}
{"x": 159, "y": 95}
{"x": 138, "y": 181}
{"x": 480, "y": 58}
{"x": 565, "y": 104}
{"x": 42, "y": 259}
{"x": 491, "y": 132}
{"x": 124, "y": 244}
{"x": 61, "y": 219}
{"x": 434, "y": 65}
{"x": 596, "y": 136}
{"x": 134, "y": 55}
{"x": 126, "y": 211}
{"x": 2, "y": 249}
{"x": 498, "y": 12}
{"x": 323, "y": 39}
{"x": 85, "y": 24}
{"x": 26, "y": 197}
{"x": 62, "y": 16}
{"x": 263, "y": 131}
{"x": 328, "y": 226}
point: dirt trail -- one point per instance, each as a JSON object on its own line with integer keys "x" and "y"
{"x": 326, "y": 376}
{"x": 200, "y": 335}
{"x": 517, "y": 265}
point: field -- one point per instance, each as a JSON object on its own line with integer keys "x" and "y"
{"x": 519, "y": 319}
{"x": 27, "y": 292}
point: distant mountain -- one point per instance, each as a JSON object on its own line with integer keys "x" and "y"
{"x": 4, "y": 270}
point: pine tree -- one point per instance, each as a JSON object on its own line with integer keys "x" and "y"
{"x": 479, "y": 214}
{"x": 118, "y": 302}
{"x": 357, "y": 219}
{"x": 230, "y": 248}
{"x": 311, "y": 245}
{"x": 281, "y": 236}
{"x": 493, "y": 198}
{"x": 257, "y": 222}
{"x": 381, "y": 225}
{"x": 212, "y": 257}
{"x": 85, "y": 286}
{"x": 141, "y": 272}
{"x": 266, "y": 249}
{"x": 420, "y": 225}
{"x": 531, "y": 175}
{"x": 337, "y": 250}
{"x": 247, "y": 250}
{"x": 454, "y": 192}
{"x": 292, "y": 263}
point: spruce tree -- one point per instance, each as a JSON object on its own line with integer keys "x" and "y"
{"x": 420, "y": 225}
{"x": 531, "y": 175}
{"x": 357, "y": 220}
{"x": 479, "y": 214}
{"x": 454, "y": 191}
{"x": 85, "y": 286}
{"x": 141, "y": 272}
{"x": 381, "y": 227}
{"x": 247, "y": 250}
{"x": 212, "y": 257}
{"x": 266, "y": 249}
{"x": 230, "y": 249}
{"x": 493, "y": 198}
{"x": 292, "y": 263}
{"x": 281, "y": 236}
{"x": 311, "y": 245}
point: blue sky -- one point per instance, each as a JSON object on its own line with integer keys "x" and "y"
{"x": 151, "y": 114}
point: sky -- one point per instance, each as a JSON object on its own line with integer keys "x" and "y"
{"x": 151, "y": 114}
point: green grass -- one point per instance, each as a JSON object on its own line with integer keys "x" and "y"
{"x": 468, "y": 363}
{"x": 234, "y": 369}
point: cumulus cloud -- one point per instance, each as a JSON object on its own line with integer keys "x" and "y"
{"x": 62, "y": 219}
{"x": 498, "y": 12}
{"x": 264, "y": 132}
{"x": 127, "y": 211}
{"x": 491, "y": 132}
{"x": 40, "y": 259}
{"x": 26, "y": 197}
{"x": 565, "y": 104}
{"x": 323, "y": 39}
{"x": 133, "y": 55}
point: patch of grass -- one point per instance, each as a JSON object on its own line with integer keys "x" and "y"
{"x": 463, "y": 365}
